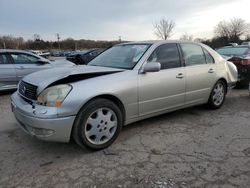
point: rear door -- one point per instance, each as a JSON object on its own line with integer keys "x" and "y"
{"x": 200, "y": 73}
{"x": 26, "y": 63}
{"x": 8, "y": 79}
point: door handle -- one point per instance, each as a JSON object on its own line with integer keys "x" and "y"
{"x": 20, "y": 67}
{"x": 180, "y": 76}
{"x": 211, "y": 70}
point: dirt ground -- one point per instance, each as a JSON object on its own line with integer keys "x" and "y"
{"x": 194, "y": 147}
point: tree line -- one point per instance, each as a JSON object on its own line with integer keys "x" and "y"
{"x": 235, "y": 30}
{"x": 37, "y": 43}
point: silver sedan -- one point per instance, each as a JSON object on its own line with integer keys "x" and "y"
{"x": 15, "y": 64}
{"x": 126, "y": 83}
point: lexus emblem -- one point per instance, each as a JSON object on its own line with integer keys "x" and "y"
{"x": 24, "y": 89}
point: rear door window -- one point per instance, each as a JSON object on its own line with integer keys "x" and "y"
{"x": 208, "y": 56}
{"x": 21, "y": 58}
{"x": 193, "y": 54}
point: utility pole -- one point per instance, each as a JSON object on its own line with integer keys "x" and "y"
{"x": 120, "y": 38}
{"x": 58, "y": 39}
{"x": 75, "y": 45}
{"x": 4, "y": 46}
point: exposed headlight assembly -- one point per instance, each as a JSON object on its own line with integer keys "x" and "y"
{"x": 54, "y": 96}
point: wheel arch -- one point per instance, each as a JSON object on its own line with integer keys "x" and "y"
{"x": 225, "y": 82}
{"x": 110, "y": 97}
{"x": 74, "y": 131}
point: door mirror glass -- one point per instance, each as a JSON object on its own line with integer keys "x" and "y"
{"x": 152, "y": 67}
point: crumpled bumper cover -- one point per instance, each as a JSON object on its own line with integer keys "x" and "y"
{"x": 49, "y": 127}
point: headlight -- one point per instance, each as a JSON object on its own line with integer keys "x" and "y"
{"x": 54, "y": 96}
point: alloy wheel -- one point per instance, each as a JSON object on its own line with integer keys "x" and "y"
{"x": 101, "y": 126}
{"x": 218, "y": 94}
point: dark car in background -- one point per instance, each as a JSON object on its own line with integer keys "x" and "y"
{"x": 240, "y": 56}
{"x": 85, "y": 56}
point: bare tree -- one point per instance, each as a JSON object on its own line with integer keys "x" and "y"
{"x": 239, "y": 27}
{"x": 36, "y": 37}
{"x": 164, "y": 28}
{"x": 222, "y": 29}
{"x": 233, "y": 29}
{"x": 248, "y": 37}
{"x": 187, "y": 37}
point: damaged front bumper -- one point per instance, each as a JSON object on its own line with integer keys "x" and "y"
{"x": 40, "y": 121}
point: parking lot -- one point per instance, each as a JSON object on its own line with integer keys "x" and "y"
{"x": 194, "y": 147}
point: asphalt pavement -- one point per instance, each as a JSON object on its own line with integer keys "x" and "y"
{"x": 194, "y": 147}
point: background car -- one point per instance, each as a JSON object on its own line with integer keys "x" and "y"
{"x": 240, "y": 56}
{"x": 15, "y": 64}
{"x": 126, "y": 83}
{"x": 245, "y": 43}
{"x": 84, "y": 57}
{"x": 40, "y": 53}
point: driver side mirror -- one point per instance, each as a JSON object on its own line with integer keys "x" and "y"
{"x": 151, "y": 67}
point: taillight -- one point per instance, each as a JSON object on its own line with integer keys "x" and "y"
{"x": 245, "y": 62}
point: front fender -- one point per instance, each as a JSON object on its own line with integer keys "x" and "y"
{"x": 122, "y": 85}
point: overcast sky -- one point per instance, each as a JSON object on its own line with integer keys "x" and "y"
{"x": 108, "y": 19}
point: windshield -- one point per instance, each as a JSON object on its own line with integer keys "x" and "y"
{"x": 233, "y": 51}
{"x": 122, "y": 56}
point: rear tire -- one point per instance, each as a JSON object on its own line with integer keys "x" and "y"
{"x": 97, "y": 124}
{"x": 218, "y": 95}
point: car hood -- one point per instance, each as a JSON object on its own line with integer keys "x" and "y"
{"x": 43, "y": 79}
{"x": 61, "y": 62}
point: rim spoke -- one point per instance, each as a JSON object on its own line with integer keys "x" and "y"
{"x": 92, "y": 121}
{"x": 108, "y": 135}
{"x": 100, "y": 114}
{"x": 91, "y": 132}
{"x": 98, "y": 137}
{"x": 111, "y": 124}
{"x": 108, "y": 115}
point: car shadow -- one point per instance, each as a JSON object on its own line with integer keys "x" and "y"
{"x": 7, "y": 92}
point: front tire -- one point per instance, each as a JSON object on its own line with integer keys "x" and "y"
{"x": 98, "y": 124}
{"x": 217, "y": 96}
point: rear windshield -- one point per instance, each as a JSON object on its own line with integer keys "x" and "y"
{"x": 233, "y": 51}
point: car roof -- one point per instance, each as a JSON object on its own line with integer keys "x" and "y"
{"x": 158, "y": 42}
{"x": 239, "y": 46}
{"x": 14, "y": 50}
{"x": 21, "y": 51}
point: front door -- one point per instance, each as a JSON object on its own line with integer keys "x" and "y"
{"x": 26, "y": 64}
{"x": 163, "y": 90}
{"x": 8, "y": 78}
